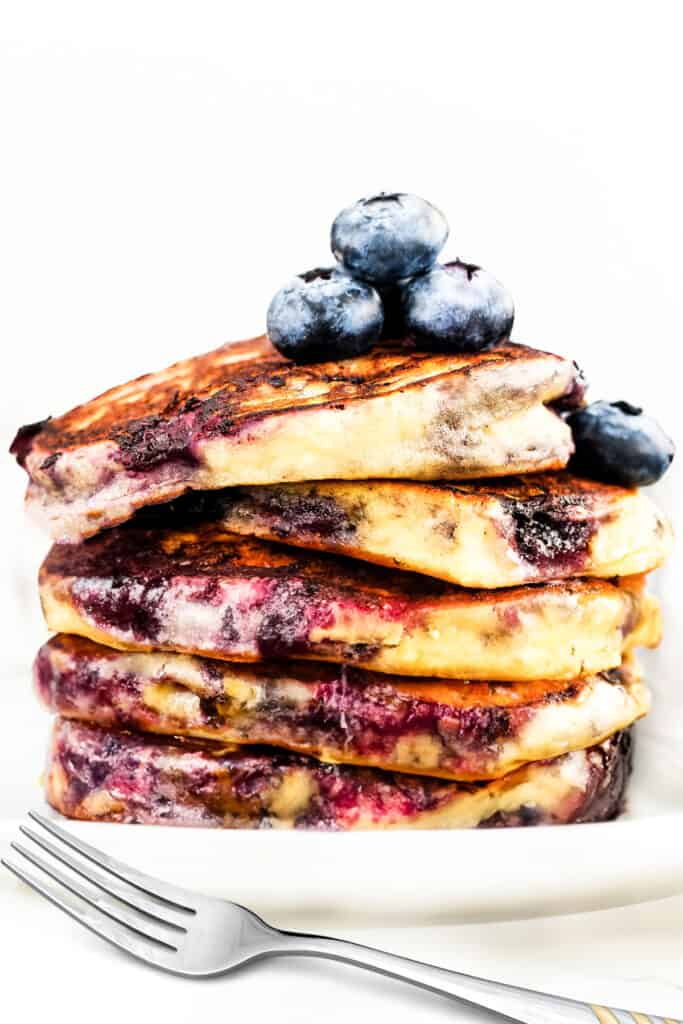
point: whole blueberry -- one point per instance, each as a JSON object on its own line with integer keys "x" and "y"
{"x": 324, "y": 315}
{"x": 457, "y": 307}
{"x": 388, "y": 237}
{"x": 618, "y": 444}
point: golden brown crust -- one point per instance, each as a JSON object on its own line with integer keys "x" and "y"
{"x": 250, "y": 378}
{"x": 524, "y": 488}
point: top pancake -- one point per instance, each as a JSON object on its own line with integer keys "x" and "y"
{"x": 244, "y": 415}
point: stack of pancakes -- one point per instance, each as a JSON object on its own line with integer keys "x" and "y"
{"x": 238, "y": 646}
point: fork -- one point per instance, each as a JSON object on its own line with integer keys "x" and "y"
{"x": 197, "y": 936}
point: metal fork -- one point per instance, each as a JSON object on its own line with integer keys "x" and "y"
{"x": 196, "y": 936}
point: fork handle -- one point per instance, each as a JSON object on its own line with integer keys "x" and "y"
{"x": 520, "y": 1004}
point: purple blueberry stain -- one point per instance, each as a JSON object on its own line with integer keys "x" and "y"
{"x": 24, "y": 438}
{"x": 553, "y": 533}
{"x": 292, "y": 513}
{"x": 287, "y": 616}
{"x": 152, "y": 440}
{"x": 574, "y": 396}
{"x": 126, "y": 606}
{"x": 50, "y": 462}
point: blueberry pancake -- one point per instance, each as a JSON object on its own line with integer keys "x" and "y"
{"x": 206, "y": 591}
{"x": 492, "y": 533}
{"x": 102, "y": 775}
{"x": 245, "y": 415}
{"x": 339, "y": 714}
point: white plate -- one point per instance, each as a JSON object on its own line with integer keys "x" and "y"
{"x": 309, "y": 881}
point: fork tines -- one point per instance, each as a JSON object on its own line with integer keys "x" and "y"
{"x": 139, "y": 914}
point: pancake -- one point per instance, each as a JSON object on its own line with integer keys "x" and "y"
{"x": 339, "y": 714}
{"x": 101, "y": 775}
{"x": 244, "y": 415}
{"x": 492, "y": 533}
{"x": 206, "y": 591}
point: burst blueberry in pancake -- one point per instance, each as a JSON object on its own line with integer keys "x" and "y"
{"x": 207, "y": 591}
{"x": 102, "y": 775}
{"x": 491, "y": 533}
{"x": 244, "y": 415}
{"x": 339, "y": 714}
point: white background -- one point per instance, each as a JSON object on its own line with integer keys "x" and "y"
{"x": 164, "y": 167}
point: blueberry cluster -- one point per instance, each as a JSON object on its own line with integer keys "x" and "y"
{"x": 386, "y": 283}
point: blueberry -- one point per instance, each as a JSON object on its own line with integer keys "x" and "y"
{"x": 388, "y": 237}
{"x": 324, "y": 315}
{"x": 457, "y": 307}
{"x": 618, "y": 444}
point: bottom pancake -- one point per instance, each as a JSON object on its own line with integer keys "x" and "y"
{"x": 340, "y": 714}
{"x": 103, "y": 775}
